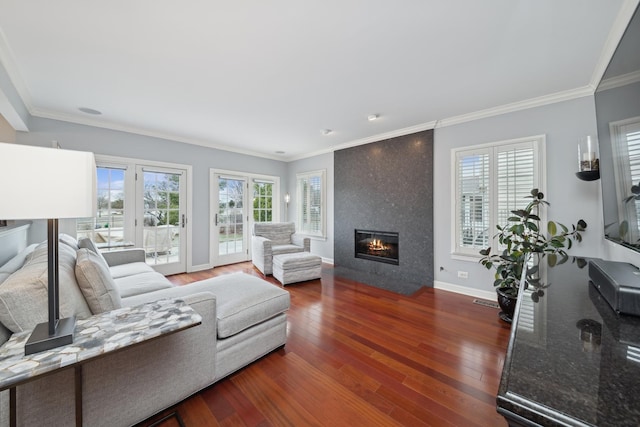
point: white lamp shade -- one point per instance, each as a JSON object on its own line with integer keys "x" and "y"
{"x": 43, "y": 183}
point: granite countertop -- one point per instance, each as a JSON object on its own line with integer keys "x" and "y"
{"x": 96, "y": 336}
{"x": 571, "y": 359}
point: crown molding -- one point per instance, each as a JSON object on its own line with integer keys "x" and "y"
{"x": 618, "y": 81}
{"x": 540, "y": 101}
{"x": 7, "y": 60}
{"x": 620, "y": 25}
{"x": 373, "y": 138}
{"x": 70, "y": 118}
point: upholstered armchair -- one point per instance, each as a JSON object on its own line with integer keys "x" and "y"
{"x": 275, "y": 238}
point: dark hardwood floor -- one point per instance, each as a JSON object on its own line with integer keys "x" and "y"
{"x": 361, "y": 356}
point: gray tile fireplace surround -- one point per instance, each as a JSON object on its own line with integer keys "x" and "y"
{"x": 387, "y": 186}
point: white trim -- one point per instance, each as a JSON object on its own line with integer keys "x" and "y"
{"x": 327, "y": 260}
{"x": 7, "y": 59}
{"x": 249, "y": 177}
{"x": 619, "y": 81}
{"x": 373, "y": 138}
{"x": 131, "y": 164}
{"x": 323, "y": 203}
{"x": 477, "y": 293}
{"x": 616, "y": 32}
{"x": 538, "y": 143}
{"x": 200, "y": 267}
{"x": 540, "y": 101}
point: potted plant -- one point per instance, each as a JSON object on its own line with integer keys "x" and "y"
{"x": 523, "y": 242}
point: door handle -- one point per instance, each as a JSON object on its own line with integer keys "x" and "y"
{"x": 184, "y": 220}
{"x": 216, "y": 222}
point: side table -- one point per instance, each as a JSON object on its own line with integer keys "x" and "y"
{"x": 96, "y": 336}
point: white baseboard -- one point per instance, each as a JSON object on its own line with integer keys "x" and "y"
{"x": 488, "y": 295}
{"x": 199, "y": 267}
{"x": 327, "y": 260}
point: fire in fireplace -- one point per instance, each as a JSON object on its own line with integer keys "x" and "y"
{"x": 381, "y": 246}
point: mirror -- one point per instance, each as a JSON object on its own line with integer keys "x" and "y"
{"x": 617, "y": 101}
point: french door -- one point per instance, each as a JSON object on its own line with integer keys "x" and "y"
{"x": 161, "y": 217}
{"x": 230, "y": 228}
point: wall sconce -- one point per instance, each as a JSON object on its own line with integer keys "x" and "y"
{"x": 588, "y": 159}
{"x": 287, "y": 199}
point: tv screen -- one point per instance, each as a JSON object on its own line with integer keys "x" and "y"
{"x": 617, "y": 101}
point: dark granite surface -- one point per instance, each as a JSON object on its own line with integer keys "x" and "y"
{"x": 571, "y": 359}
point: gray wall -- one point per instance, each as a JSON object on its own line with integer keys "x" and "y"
{"x": 103, "y": 141}
{"x": 387, "y": 186}
{"x": 571, "y": 199}
{"x": 320, "y": 247}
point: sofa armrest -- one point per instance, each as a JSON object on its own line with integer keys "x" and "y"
{"x": 124, "y": 256}
{"x": 262, "y": 254}
{"x": 300, "y": 240}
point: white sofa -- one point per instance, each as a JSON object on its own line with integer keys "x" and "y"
{"x": 275, "y": 238}
{"x": 243, "y": 319}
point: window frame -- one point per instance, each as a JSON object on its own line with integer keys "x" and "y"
{"x": 322, "y": 232}
{"x": 537, "y": 143}
{"x": 269, "y": 213}
{"x": 622, "y": 171}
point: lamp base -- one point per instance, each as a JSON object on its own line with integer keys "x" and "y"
{"x": 40, "y": 340}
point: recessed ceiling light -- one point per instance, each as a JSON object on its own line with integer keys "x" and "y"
{"x": 327, "y": 131}
{"x": 90, "y": 111}
{"x": 373, "y": 117}
{"x": 279, "y": 152}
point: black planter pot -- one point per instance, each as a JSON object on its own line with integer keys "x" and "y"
{"x": 507, "y": 304}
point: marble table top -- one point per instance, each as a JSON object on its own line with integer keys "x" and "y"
{"x": 95, "y": 336}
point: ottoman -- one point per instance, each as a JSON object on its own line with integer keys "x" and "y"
{"x": 296, "y": 267}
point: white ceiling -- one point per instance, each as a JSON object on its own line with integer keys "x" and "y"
{"x": 266, "y": 76}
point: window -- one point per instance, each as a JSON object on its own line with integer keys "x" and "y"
{"x": 626, "y": 154}
{"x": 262, "y": 200}
{"x": 108, "y": 227}
{"x": 491, "y": 180}
{"x": 311, "y": 203}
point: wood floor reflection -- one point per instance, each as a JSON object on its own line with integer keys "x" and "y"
{"x": 357, "y": 355}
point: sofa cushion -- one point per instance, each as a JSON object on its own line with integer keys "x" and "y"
{"x": 95, "y": 282}
{"x": 68, "y": 240}
{"x": 129, "y": 269}
{"x": 141, "y": 283}
{"x": 243, "y": 301}
{"x": 23, "y": 296}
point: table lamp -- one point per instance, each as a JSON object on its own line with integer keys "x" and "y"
{"x": 47, "y": 183}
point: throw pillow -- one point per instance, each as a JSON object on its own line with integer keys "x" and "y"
{"x": 23, "y": 296}
{"x": 89, "y": 244}
{"x": 96, "y": 283}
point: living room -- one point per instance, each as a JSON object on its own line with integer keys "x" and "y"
{"x": 562, "y": 112}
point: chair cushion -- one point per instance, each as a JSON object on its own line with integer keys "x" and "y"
{"x": 96, "y": 283}
{"x": 243, "y": 301}
{"x": 141, "y": 283}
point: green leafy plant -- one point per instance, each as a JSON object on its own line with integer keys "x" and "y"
{"x": 522, "y": 240}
